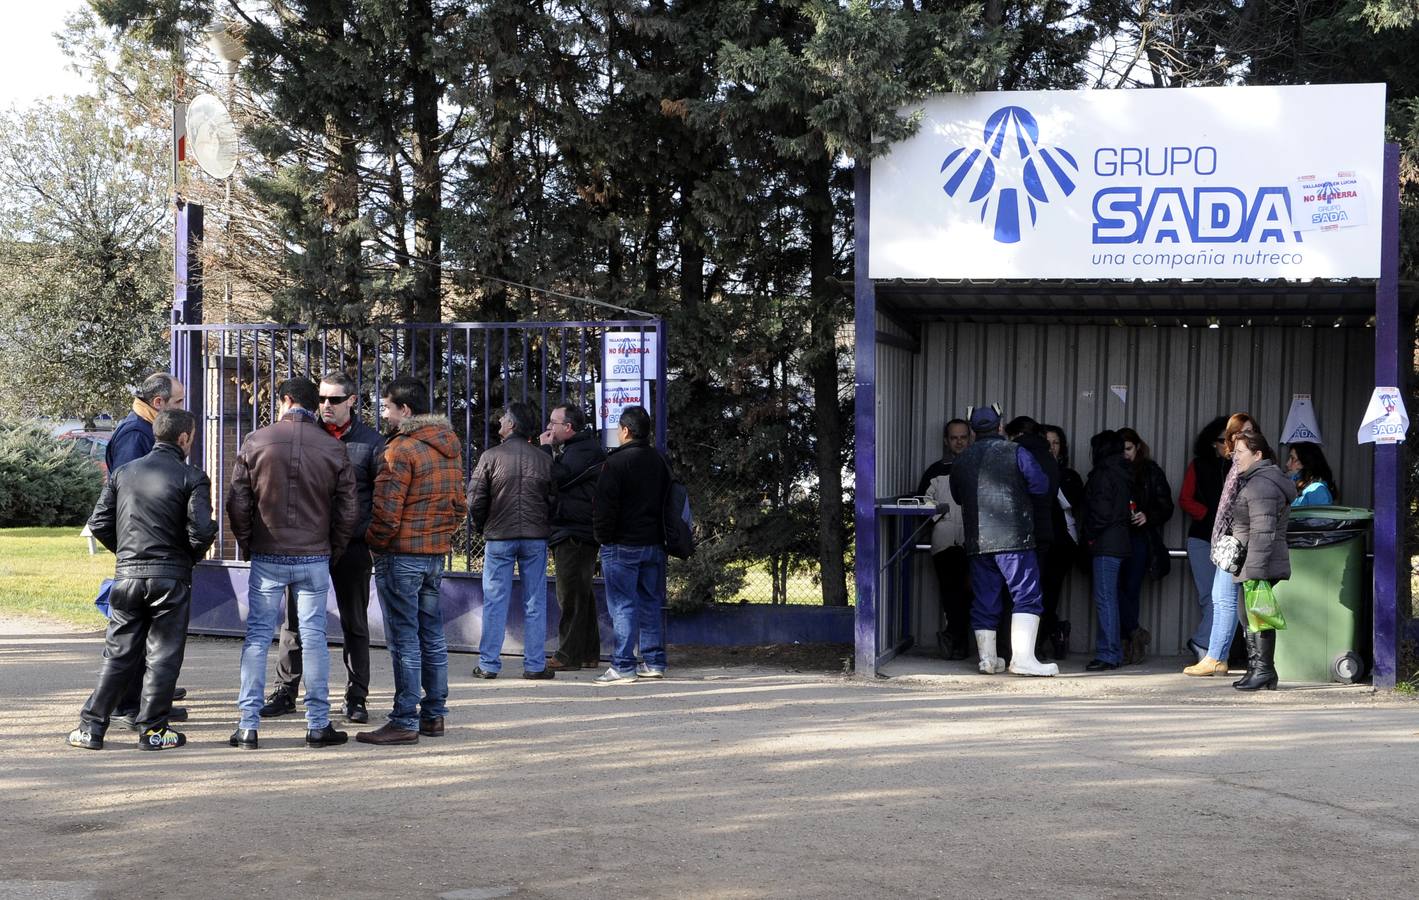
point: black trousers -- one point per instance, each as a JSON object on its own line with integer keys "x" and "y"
{"x": 147, "y": 621}
{"x": 578, "y": 637}
{"x": 1058, "y": 562}
{"x": 350, "y": 576}
{"x": 953, "y": 572}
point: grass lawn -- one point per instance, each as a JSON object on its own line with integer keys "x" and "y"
{"x": 48, "y": 573}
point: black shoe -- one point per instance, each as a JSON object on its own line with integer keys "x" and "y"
{"x": 1059, "y": 640}
{"x": 161, "y": 739}
{"x": 478, "y": 672}
{"x": 179, "y": 693}
{"x": 355, "y": 712}
{"x": 543, "y": 675}
{"x": 176, "y": 714}
{"x": 278, "y": 704}
{"x": 243, "y": 739}
{"x": 85, "y": 740}
{"x": 1098, "y": 665}
{"x": 125, "y": 720}
{"x": 325, "y": 737}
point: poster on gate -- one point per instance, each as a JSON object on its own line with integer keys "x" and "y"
{"x": 628, "y": 356}
{"x": 611, "y": 398}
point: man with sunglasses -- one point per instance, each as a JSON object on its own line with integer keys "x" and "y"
{"x": 350, "y": 573}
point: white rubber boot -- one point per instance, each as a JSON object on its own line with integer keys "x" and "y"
{"x": 990, "y": 664}
{"x": 1024, "y": 627}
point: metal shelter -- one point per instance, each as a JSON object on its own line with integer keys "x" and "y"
{"x": 1164, "y": 356}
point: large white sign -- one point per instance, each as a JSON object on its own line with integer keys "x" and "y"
{"x": 1246, "y": 182}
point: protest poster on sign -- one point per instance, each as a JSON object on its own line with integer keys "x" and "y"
{"x": 1301, "y": 424}
{"x": 1386, "y": 420}
{"x": 628, "y": 356}
{"x": 611, "y": 398}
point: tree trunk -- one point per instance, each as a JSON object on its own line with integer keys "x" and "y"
{"x": 823, "y": 374}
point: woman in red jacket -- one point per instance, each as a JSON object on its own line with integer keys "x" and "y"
{"x": 1201, "y": 489}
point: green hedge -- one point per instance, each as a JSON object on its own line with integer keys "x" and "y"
{"x": 43, "y": 480}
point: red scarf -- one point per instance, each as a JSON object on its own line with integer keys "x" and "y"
{"x": 337, "y": 431}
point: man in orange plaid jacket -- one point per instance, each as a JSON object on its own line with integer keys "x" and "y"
{"x": 419, "y": 502}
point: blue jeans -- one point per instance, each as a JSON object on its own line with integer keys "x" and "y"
{"x": 1224, "y": 615}
{"x": 633, "y": 598}
{"x": 408, "y": 585}
{"x": 1131, "y": 576}
{"x": 1199, "y": 556}
{"x": 531, "y": 559}
{"x": 1107, "y": 645}
{"x": 265, "y": 597}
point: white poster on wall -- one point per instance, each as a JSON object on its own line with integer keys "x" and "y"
{"x": 1227, "y": 182}
{"x": 628, "y": 355}
{"x": 611, "y": 398}
{"x": 1386, "y": 419}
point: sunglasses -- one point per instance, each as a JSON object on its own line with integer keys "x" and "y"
{"x": 336, "y": 401}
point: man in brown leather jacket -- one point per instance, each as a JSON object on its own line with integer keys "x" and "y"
{"x": 510, "y": 499}
{"x": 293, "y": 506}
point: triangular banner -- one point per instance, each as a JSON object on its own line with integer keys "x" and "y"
{"x": 1301, "y": 424}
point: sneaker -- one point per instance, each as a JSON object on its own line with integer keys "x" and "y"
{"x": 356, "y": 712}
{"x": 645, "y": 671}
{"x": 161, "y": 739}
{"x": 278, "y": 704}
{"x": 85, "y": 740}
{"x": 611, "y": 676}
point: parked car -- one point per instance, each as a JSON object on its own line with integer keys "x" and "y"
{"x": 92, "y": 444}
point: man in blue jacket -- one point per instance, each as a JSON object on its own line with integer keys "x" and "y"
{"x": 133, "y": 437}
{"x": 994, "y": 481}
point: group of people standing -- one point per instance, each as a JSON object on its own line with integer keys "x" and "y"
{"x": 319, "y": 500}
{"x": 1013, "y": 520}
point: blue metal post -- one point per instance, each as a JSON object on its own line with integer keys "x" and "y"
{"x": 1392, "y": 340}
{"x": 865, "y": 430}
{"x": 187, "y": 358}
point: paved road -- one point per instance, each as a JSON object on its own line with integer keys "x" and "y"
{"x": 721, "y": 783}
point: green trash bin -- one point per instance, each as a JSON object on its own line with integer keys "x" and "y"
{"x": 1323, "y": 600}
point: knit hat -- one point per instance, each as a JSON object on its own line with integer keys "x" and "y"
{"x": 984, "y": 419}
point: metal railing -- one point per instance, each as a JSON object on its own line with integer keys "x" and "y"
{"x": 472, "y": 370}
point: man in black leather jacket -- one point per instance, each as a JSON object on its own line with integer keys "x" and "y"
{"x": 350, "y": 573}
{"x": 576, "y": 463}
{"x": 155, "y": 514}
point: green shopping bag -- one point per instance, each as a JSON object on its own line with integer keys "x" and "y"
{"x": 1263, "y": 613}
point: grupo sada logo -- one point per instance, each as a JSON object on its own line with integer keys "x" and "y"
{"x": 1009, "y": 173}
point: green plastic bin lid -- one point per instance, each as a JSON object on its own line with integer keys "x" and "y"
{"x": 1334, "y": 513}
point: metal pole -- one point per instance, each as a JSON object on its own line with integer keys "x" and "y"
{"x": 1391, "y": 341}
{"x": 865, "y": 430}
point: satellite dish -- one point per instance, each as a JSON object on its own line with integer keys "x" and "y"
{"x": 211, "y": 136}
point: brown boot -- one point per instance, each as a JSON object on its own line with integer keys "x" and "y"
{"x": 388, "y": 733}
{"x": 1207, "y": 667}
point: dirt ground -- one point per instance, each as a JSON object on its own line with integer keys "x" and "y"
{"x": 751, "y": 781}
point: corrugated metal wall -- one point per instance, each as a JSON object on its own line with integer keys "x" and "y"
{"x": 898, "y": 421}
{"x": 1174, "y": 380}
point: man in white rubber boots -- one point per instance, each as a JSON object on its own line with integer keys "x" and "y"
{"x": 993, "y": 482}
